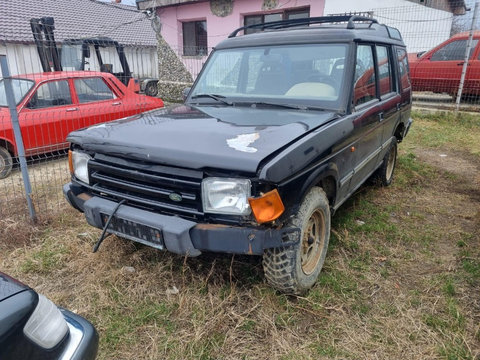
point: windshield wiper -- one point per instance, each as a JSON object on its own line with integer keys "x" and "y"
{"x": 219, "y": 98}
{"x": 288, "y": 106}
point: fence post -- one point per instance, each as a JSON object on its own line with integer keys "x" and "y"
{"x": 467, "y": 56}
{"x": 18, "y": 134}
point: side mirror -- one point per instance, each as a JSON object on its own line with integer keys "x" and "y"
{"x": 185, "y": 93}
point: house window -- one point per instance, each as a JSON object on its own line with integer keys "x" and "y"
{"x": 283, "y": 15}
{"x": 195, "y": 38}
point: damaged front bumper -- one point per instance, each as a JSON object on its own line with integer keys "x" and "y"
{"x": 173, "y": 233}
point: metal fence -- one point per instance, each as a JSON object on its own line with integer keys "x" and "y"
{"x": 442, "y": 40}
{"x": 51, "y": 105}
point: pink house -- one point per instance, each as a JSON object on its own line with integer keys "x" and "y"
{"x": 191, "y": 28}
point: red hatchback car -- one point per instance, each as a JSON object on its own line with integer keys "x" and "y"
{"x": 439, "y": 70}
{"x": 51, "y": 105}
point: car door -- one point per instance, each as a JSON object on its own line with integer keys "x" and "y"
{"x": 390, "y": 98}
{"x": 440, "y": 69}
{"x": 472, "y": 78}
{"x": 97, "y": 102}
{"x": 45, "y": 117}
{"x": 404, "y": 84}
{"x": 367, "y": 112}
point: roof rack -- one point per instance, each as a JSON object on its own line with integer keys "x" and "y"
{"x": 283, "y": 24}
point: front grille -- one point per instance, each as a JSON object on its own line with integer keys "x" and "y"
{"x": 147, "y": 185}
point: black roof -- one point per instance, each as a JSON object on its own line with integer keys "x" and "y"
{"x": 314, "y": 30}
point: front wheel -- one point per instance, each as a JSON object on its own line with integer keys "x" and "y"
{"x": 151, "y": 89}
{"x": 295, "y": 269}
{"x": 6, "y": 163}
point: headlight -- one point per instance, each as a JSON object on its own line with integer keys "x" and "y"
{"x": 46, "y": 326}
{"x": 79, "y": 164}
{"x": 226, "y": 196}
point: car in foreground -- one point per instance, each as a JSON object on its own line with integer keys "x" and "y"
{"x": 34, "y": 328}
{"x": 280, "y": 128}
{"x": 51, "y": 105}
{"x": 440, "y": 69}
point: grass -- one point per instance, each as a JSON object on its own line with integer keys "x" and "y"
{"x": 447, "y": 130}
{"x": 401, "y": 280}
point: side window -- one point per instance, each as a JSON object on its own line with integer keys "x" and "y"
{"x": 365, "y": 85}
{"x": 52, "y": 93}
{"x": 454, "y": 50}
{"x": 385, "y": 76}
{"x": 92, "y": 89}
{"x": 403, "y": 68}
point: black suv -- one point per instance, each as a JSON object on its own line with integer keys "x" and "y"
{"x": 279, "y": 129}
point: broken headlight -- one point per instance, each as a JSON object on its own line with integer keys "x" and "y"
{"x": 79, "y": 164}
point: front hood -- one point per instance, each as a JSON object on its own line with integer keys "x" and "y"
{"x": 9, "y": 286}
{"x": 230, "y": 138}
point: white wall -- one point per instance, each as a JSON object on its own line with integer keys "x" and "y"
{"x": 422, "y": 28}
{"x": 24, "y": 59}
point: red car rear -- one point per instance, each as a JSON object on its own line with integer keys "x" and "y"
{"x": 51, "y": 105}
{"x": 440, "y": 69}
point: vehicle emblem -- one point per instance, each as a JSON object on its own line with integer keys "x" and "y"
{"x": 175, "y": 197}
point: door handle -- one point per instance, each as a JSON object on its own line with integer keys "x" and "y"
{"x": 460, "y": 64}
{"x": 71, "y": 109}
{"x": 117, "y": 103}
{"x": 380, "y": 116}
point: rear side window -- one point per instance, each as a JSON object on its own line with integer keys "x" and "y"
{"x": 454, "y": 50}
{"x": 384, "y": 70}
{"x": 52, "y": 93}
{"x": 92, "y": 89}
{"x": 365, "y": 84}
{"x": 403, "y": 68}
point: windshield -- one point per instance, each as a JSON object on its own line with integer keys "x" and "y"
{"x": 71, "y": 57}
{"x": 20, "y": 88}
{"x": 310, "y": 75}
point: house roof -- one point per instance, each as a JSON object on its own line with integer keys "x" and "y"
{"x": 76, "y": 19}
{"x": 150, "y": 4}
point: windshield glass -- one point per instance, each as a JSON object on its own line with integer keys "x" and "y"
{"x": 71, "y": 57}
{"x": 310, "y": 75}
{"x": 20, "y": 88}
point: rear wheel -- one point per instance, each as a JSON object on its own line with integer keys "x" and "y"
{"x": 151, "y": 89}
{"x": 295, "y": 269}
{"x": 6, "y": 163}
{"x": 384, "y": 174}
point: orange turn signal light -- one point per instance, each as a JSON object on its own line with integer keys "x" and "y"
{"x": 70, "y": 161}
{"x": 267, "y": 207}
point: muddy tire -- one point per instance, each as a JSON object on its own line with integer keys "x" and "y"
{"x": 6, "y": 163}
{"x": 384, "y": 174}
{"x": 151, "y": 89}
{"x": 295, "y": 269}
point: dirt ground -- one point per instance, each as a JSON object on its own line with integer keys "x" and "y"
{"x": 401, "y": 280}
